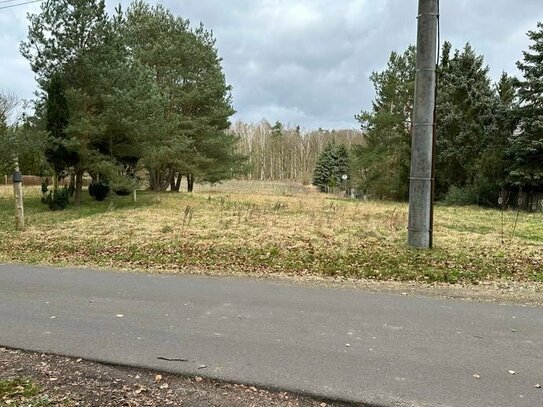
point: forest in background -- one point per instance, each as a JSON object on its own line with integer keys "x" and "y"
{"x": 278, "y": 152}
{"x": 140, "y": 98}
{"x": 488, "y": 136}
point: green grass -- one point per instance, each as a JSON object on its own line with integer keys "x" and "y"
{"x": 21, "y": 392}
{"x": 278, "y": 229}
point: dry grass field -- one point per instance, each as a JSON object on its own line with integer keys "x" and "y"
{"x": 261, "y": 228}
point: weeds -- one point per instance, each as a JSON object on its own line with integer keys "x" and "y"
{"x": 21, "y": 392}
{"x": 166, "y": 229}
{"x": 304, "y": 234}
{"x": 187, "y": 218}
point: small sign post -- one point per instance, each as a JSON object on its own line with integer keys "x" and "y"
{"x": 18, "y": 192}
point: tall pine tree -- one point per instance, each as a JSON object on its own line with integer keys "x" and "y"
{"x": 66, "y": 37}
{"x": 465, "y": 115}
{"x": 58, "y": 154}
{"x": 491, "y": 165}
{"x": 526, "y": 150}
{"x": 382, "y": 165}
{"x": 187, "y": 69}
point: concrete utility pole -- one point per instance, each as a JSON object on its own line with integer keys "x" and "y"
{"x": 18, "y": 192}
{"x": 421, "y": 188}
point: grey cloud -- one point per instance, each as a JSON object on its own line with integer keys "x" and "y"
{"x": 308, "y": 62}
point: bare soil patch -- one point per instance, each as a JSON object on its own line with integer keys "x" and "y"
{"x": 50, "y": 380}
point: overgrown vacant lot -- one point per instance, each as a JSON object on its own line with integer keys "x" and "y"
{"x": 274, "y": 228}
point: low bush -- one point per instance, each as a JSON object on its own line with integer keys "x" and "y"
{"x": 123, "y": 191}
{"x": 461, "y": 196}
{"x": 99, "y": 190}
{"x": 56, "y": 201}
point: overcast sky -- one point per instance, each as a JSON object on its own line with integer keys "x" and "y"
{"x": 308, "y": 62}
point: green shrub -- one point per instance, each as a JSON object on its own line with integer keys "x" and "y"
{"x": 44, "y": 186}
{"x": 488, "y": 192}
{"x": 480, "y": 193}
{"x": 99, "y": 190}
{"x": 123, "y": 191}
{"x": 466, "y": 195}
{"x": 56, "y": 201}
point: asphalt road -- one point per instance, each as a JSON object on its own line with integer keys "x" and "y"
{"x": 379, "y": 349}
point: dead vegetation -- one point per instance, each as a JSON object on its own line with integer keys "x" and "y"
{"x": 282, "y": 229}
{"x": 29, "y": 379}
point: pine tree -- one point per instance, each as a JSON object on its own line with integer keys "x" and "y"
{"x": 64, "y": 38}
{"x": 491, "y": 165}
{"x": 465, "y": 106}
{"x": 526, "y": 150}
{"x": 129, "y": 115}
{"x": 59, "y": 156}
{"x": 331, "y": 167}
{"x": 188, "y": 72}
{"x": 382, "y": 165}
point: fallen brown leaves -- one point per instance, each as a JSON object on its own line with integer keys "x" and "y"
{"x": 73, "y": 382}
{"x": 303, "y": 234}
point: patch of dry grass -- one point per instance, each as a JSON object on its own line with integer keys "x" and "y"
{"x": 279, "y": 229}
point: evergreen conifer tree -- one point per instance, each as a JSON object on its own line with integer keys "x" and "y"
{"x": 526, "y": 150}
{"x": 465, "y": 117}
{"x": 187, "y": 70}
{"x": 330, "y": 168}
{"x": 57, "y": 153}
{"x": 382, "y": 164}
{"x": 66, "y": 36}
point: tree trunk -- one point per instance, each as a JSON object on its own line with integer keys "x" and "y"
{"x": 154, "y": 179}
{"x": 55, "y": 182}
{"x": 172, "y": 183}
{"x": 190, "y": 182}
{"x": 177, "y": 185}
{"x": 262, "y": 166}
{"x": 78, "y": 185}
{"x": 72, "y": 184}
{"x": 158, "y": 179}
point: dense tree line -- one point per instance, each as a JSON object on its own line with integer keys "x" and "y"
{"x": 279, "y": 152}
{"x": 138, "y": 90}
{"x": 7, "y": 147}
{"x": 489, "y": 137}
{"x": 19, "y": 139}
{"x": 142, "y": 91}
